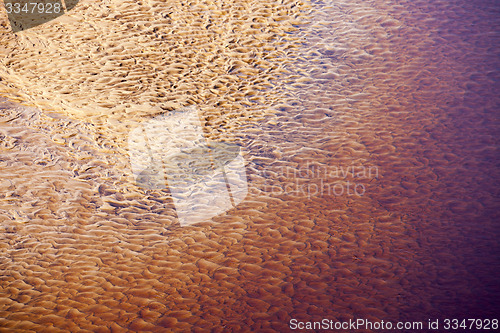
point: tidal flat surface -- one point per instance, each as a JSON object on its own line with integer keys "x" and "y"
{"x": 369, "y": 131}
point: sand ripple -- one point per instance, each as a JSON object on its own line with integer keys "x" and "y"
{"x": 305, "y": 88}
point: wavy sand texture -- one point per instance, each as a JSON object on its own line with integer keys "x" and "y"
{"x": 126, "y": 59}
{"x": 403, "y": 86}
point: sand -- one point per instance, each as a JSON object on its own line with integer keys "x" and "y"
{"x": 306, "y": 89}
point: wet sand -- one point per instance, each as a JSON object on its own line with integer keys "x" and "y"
{"x": 406, "y": 89}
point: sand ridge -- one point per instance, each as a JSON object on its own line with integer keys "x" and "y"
{"x": 127, "y": 59}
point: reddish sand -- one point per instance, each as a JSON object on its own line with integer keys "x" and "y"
{"x": 405, "y": 93}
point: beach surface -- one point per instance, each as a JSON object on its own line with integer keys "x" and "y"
{"x": 369, "y": 131}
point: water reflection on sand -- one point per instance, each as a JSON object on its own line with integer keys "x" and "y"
{"x": 405, "y": 87}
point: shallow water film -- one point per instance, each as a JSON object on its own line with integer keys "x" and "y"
{"x": 251, "y": 166}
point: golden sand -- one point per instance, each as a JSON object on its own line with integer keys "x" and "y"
{"x": 306, "y": 88}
